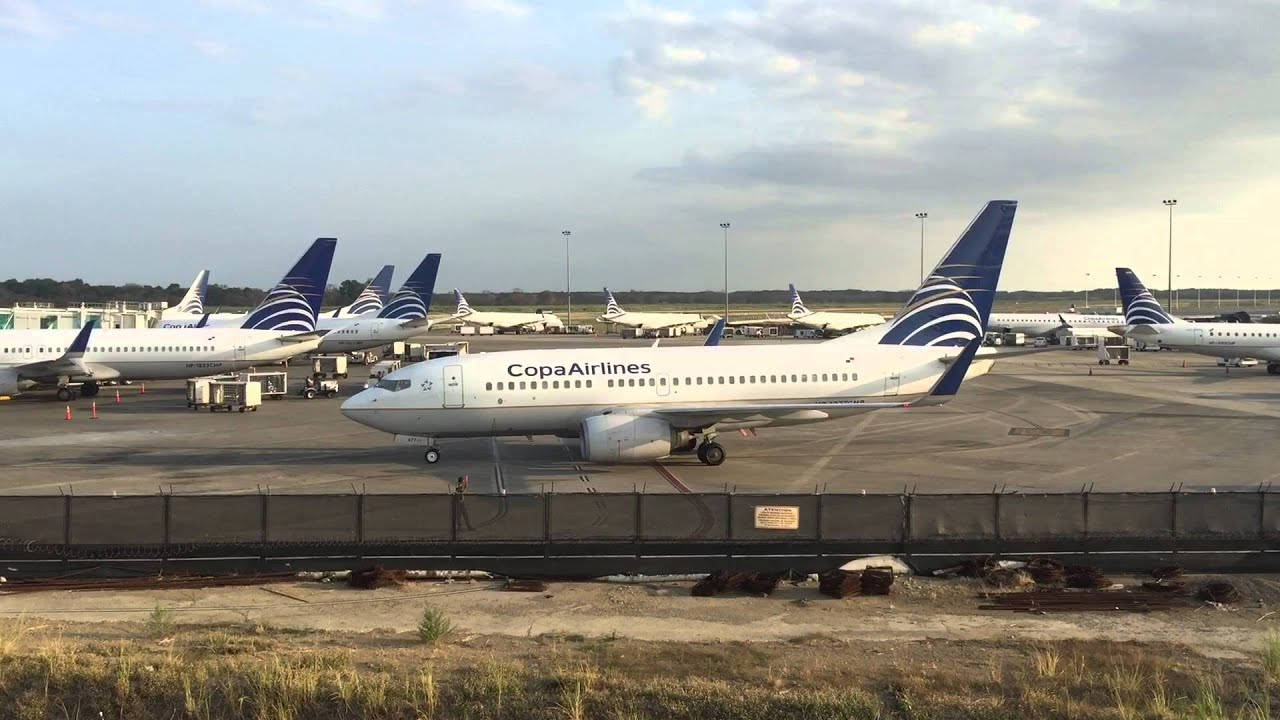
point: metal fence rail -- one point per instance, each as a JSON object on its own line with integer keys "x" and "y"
{"x": 453, "y": 530}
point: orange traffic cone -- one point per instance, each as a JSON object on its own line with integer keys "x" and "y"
{"x": 68, "y": 412}
{"x": 117, "y": 397}
{"x": 143, "y": 391}
{"x": 94, "y": 411}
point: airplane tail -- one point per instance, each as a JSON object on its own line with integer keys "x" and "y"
{"x": 797, "y": 305}
{"x": 611, "y": 307}
{"x": 463, "y": 307}
{"x": 1140, "y": 306}
{"x": 413, "y": 300}
{"x": 715, "y": 334}
{"x": 374, "y": 296}
{"x": 193, "y": 302}
{"x": 951, "y": 308}
{"x": 294, "y": 303}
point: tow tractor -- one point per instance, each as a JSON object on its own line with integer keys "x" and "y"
{"x": 316, "y": 385}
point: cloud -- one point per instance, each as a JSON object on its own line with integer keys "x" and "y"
{"x": 960, "y": 33}
{"x": 504, "y": 8}
{"x": 211, "y": 48}
{"x": 26, "y": 19}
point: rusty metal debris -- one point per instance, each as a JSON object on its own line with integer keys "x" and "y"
{"x": 1044, "y": 601}
{"x": 148, "y": 582}
{"x": 1167, "y": 586}
{"x": 722, "y": 581}
{"x": 849, "y": 583}
{"x": 372, "y": 578}
{"x": 1084, "y": 577}
{"x": 1168, "y": 572}
{"x": 1219, "y": 591}
{"x": 1045, "y": 571}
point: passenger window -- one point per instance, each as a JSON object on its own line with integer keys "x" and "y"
{"x": 588, "y": 383}
{"x": 610, "y": 382}
{"x": 844, "y": 377}
{"x": 854, "y": 377}
{"x": 741, "y": 380}
{"x": 793, "y": 379}
{"x": 721, "y": 379}
{"x": 824, "y": 377}
{"x": 662, "y": 381}
{"x": 577, "y": 383}
{"x": 804, "y": 378}
{"x": 675, "y": 381}
{"x": 522, "y": 387}
{"x": 653, "y": 382}
{"x": 730, "y": 379}
{"x": 699, "y": 379}
{"x": 773, "y": 378}
{"x": 544, "y": 384}
{"x": 488, "y": 386}
{"x": 782, "y": 378}
{"x": 555, "y": 384}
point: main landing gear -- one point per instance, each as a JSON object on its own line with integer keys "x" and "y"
{"x": 432, "y": 455}
{"x": 711, "y": 453}
{"x": 65, "y": 394}
{"x": 1273, "y": 368}
{"x": 89, "y": 388}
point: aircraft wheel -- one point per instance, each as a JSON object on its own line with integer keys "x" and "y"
{"x": 711, "y": 453}
{"x": 65, "y": 394}
{"x": 309, "y": 394}
{"x": 1273, "y": 369}
{"x": 89, "y": 389}
{"x": 331, "y": 394}
{"x": 432, "y": 456}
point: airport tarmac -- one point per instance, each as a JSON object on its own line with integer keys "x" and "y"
{"x": 1038, "y": 423}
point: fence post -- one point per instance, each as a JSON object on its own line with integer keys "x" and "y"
{"x": 996, "y": 521}
{"x": 817, "y": 525}
{"x": 1084, "y": 510}
{"x": 728, "y": 516}
{"x": 1262, "y": 518}
{"x": 66, "y": 529}
{"x": 907, "y": 530}
{"x": 264, "y": 512}
{"x": 546, "y": 525}
{"x": 1173, "y": 522}
{"x": 360, "y": 525}
{"x": 639, "y": 530}
{"x": 167, "y": 521}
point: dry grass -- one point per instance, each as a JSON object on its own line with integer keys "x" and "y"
{"x": 229, "y": 672}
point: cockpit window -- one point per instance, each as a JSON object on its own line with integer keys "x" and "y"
{"x": 393, "y": 385}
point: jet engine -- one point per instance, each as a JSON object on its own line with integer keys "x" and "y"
{"x": 628, "y": 438}
{"x": 9, "y": 382}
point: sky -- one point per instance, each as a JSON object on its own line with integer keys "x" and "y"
{"x": 143, "y": 141}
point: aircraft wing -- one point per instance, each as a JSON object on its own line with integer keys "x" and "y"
{"x": 422, "y": 323}
{"x": 706, "y": 415}
{"x": 71, "y": 362}
{"x": 762, "y": 321}
{"x": 302, "y": 337}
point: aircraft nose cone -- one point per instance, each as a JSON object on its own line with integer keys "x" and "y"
{"x": 355, "y": 406}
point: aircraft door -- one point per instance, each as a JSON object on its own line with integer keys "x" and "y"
{"x": 1198, "y": 335}
{"x": 891, "y": 383}
{"x": 453, "y": 397}
{"x": 663, "y": 386}
{"x": 239, "y": 354}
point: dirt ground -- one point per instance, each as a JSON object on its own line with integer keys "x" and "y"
{"x": 918, "y": 609}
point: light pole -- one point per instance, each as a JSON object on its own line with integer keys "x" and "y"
{"x": 1169, "y": 204}
{"x": 1086, "y": 291}
{"x": 921, "y": 217}
{"x": 1219, "y": 293}
{"x": 725, "y": 227}
{"x": 568, "y": 315}
{"x": 1238, "y": 281}
{"x": 1255, "y": 292}
{"x": 1177, "y": 294}
{"x": 1199, "y": 282}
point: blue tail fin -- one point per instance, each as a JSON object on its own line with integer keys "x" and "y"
{"x": 294, "y": 302}
{"x": 716, "y": 334}
{"x": 611, "y": 307}
{"x": 193, "y": 302}
{"x": 374, "y": 296}
{"x": 463, "y": 307}
{"x": 797, "y": 305}
{"x": 413, "y": 300}
{"x": 952, "y": 306}
{"x": 1140, "y": 306}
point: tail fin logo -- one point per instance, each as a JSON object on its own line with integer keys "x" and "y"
{"x": 463, "y": 307}
{"x": 797, "y": 305}
{"x": 1140, "y": 306}
{"x": 367, "y": 302}
{"x": 285, "y": 308}
{"x": 413, "y": 300}
{"x": 953, "y": 304}
{"x": 940, "y": 313}
{"x": 611, "y": 307}
{"x": 193, "y": 302}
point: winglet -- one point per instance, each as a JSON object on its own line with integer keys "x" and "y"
{"x": 204, "y": 320}
{"x": 81, "y": 341}
{"x": 716, "y": 334}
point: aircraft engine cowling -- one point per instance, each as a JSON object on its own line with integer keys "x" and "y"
{"x": 9, "y": 382}
{"x": 628, "y": 438}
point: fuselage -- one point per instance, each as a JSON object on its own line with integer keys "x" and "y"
{"x": 149, "y": 354}
{"x": 550, "y": 392}
{"x": 654, "y": 321}
{"x": 1229, "y": 340}
{"x": 508, "y": 320}
{"x": 836, "y": 321}
{"x": 1042, "y": 324}
{"x": 351, "y": 334}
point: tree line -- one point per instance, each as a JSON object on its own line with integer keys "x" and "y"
{"x": 74, "y": 292}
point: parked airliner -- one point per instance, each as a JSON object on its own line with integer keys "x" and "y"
{"x": 640, "y": 404}
{"x": 513, "y": 321}
{"x": 282, "y": 326}
{"x": 1045, "y": 324}
{"x": 829, "y": 321}
{"x": 189, "y": 312}
{"x": 1146, "y": 320}
{"x": 613, "y": 313}
{"x": 405, "y": 316}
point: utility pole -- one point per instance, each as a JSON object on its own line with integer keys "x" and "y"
{"x": 725, "y": 227}
{"x": 921, "y": 217}
{"x": 568, "y": 315}
{"x": 1169, "y": 204}
{"x": 1086, "y": 290}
